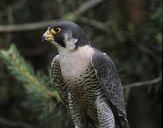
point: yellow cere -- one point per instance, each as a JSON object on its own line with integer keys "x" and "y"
{"x": 52, "y": 30}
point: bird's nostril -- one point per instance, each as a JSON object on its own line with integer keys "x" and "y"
{"x": 42, "y": 39}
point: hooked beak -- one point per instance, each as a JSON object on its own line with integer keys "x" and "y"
{"x": 47, "y": 36}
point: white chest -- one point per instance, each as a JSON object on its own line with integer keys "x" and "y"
{"x": 75, "y": 63}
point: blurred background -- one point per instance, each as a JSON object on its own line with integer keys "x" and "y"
{"x": 130, "y": 31}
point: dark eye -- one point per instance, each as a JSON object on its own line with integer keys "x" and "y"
{"x": 57, "y": 30}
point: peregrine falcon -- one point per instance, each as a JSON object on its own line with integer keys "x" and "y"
{"x": 86, "y": 79}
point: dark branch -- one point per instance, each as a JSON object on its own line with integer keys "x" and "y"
{"x": 15, "y": 123}
{"x": 87, "y": 5}
{"x": 26, "y": 27}
{"x": 39, "y": 25}
{"x": 94, "y": 23}
{"x": 143, "y": 83}
{"x": 14, "y": 7}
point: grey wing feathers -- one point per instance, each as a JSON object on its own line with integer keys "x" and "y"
{"x": 111, "y": 84}
{"x": 58, "y": 79}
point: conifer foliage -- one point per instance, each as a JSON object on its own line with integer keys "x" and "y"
{"x": 33, "y": 82}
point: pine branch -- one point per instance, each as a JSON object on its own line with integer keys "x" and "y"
{"x": 34, "y": 82}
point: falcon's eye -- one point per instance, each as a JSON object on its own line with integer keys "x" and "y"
{"x": 55, "y": 30}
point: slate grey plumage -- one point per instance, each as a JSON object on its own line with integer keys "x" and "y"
{"x": 87, "y": 80}
{"x": 111, "y": 84}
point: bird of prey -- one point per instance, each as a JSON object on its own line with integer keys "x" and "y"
{"x": 86, "y": 79}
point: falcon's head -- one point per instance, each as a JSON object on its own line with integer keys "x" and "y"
{"x": 65, "y": 35}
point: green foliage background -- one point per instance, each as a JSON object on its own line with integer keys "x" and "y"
{"x": 130, "y": 31}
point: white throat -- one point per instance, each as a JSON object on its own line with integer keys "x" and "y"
{"x": 74, "y": 63}
{"x": 70, "y": 42}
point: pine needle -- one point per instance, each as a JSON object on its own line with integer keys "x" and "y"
{"x": 33, "y": 82}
